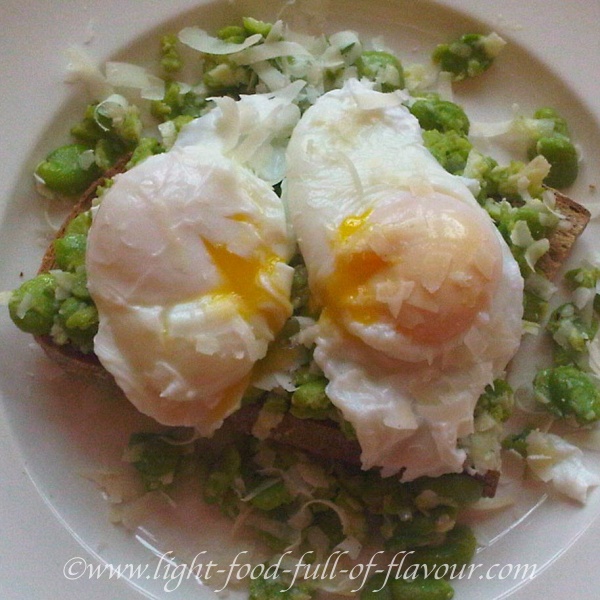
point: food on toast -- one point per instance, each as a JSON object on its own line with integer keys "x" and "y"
{"x": 282, "y": 411}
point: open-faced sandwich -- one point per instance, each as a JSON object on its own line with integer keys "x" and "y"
{"x": 316, "y": 265}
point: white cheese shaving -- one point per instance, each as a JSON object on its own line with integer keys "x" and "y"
{"x": 5, "y": 298}
{"x": 80, "y": 68}
{"x": 120, "y": 74}
{"x": 269, "y": 52}
{"x": 200, "y": 40}
{"x": 556, "y": 461}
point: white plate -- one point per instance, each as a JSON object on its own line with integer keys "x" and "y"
{"x": 51, "y": 429}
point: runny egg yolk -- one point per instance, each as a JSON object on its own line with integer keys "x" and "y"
{"x": 245, "y": 279}
{"x": 428, "y": 265}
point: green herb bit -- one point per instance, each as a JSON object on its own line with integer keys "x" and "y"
{"x": 517, "y": 441}
{"x": 584, "y": 277}
{"x": 300, "y": 290}
{"x": 535, "y": 308}
{"x": 497, "y": 400}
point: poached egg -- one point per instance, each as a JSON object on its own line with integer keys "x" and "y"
{"x": 420, "y": 297}
{"x": 187, "y": 263}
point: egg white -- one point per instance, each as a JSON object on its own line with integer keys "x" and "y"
{"x": 360, "y": 183}
{"x": 186, "y": 263}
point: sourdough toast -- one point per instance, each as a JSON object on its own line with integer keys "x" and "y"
{"x": 320, "y": 438}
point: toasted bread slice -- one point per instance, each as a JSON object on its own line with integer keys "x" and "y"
{"x": 576, "y": 218}
{"x": 320, "y": 438}
{"x": 68, "y": 357}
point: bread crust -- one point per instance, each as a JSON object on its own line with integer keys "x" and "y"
{"x": 320, "y": 438}
{"x": 563, "y": 238}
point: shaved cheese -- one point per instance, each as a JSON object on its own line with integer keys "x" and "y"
{"x": 493, "y": 44}
{"x": 348, "y": 43}
{"x": 87, "y": 159}
{"x": 113, "y": 107}
{"x": 5, "y": 298}
{"x": 25, "y": 304}
{"x": 269, "y": 52}
{"x": 120, "y": 74}
{"x": 556, "y": 461}
{"x": 200, "y": 40}
{"x": 534, "y": 249}
{"x": 366, "y": 100}
{"x": 273, "y": 78}
{"x": 80, "y": 68}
